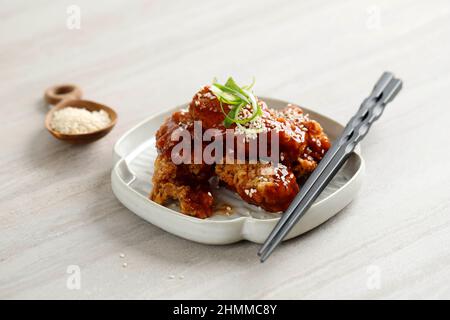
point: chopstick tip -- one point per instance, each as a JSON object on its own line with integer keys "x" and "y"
{"x": 263, "y": 257}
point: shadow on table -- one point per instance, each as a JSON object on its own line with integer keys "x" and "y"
{"x": 134, "y": 234}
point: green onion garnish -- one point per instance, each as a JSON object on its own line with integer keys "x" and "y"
{"x": 237, "y": 97}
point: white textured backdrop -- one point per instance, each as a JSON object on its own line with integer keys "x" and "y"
{"x": 64, "y": 235}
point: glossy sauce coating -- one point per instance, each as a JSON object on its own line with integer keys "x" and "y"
{"x": 302, "y": 144}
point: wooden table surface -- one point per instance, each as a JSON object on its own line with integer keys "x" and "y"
{"x": 59, "y": 218}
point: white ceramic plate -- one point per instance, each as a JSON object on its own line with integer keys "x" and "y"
{"x": 134, "y": 154}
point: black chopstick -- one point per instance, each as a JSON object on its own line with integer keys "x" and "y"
{"x": 386, "y": 77}
{"x": 356, "y": 129}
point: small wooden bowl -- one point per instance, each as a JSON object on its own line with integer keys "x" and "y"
{"x": 83, "y": 137}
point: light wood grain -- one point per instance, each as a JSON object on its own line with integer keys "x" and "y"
{"x": 56, "y": 204}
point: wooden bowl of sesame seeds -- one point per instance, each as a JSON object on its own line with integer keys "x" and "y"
{"x": 69, "y": 126}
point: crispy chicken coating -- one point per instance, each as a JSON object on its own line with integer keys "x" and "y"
{"x": 303, "y": 138}
{"x": 260, "y": 184}
{"x": 185, "y": 183}
{"x": 303, "y": 143}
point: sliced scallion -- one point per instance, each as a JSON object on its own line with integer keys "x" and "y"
{"x": 238, "y": 97}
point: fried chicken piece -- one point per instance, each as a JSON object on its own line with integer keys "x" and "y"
{"x": 303, "y": 142}
{"x": 186, "y": 183}
{"x": 180, "y": 120}
{"x": 301, "y": 137}
{"x": 260, "y": 184}
{"x": 205, "y": 107}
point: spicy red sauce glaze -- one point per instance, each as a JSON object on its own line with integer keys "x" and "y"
{"x": 302, "y": 144}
